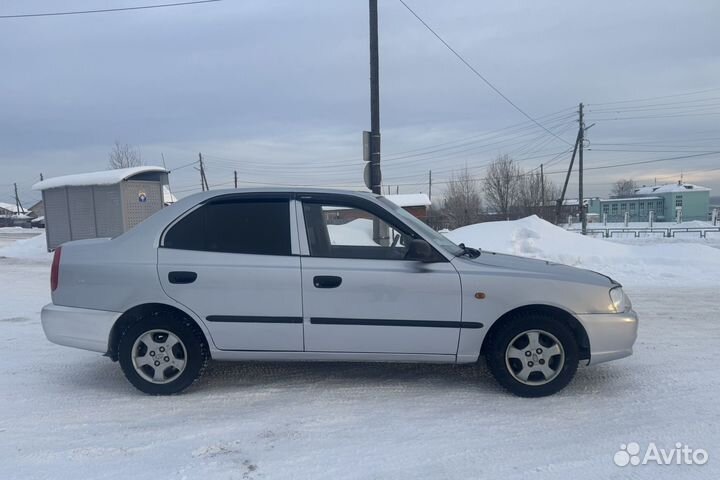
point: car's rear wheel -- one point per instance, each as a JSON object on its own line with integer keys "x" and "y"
{"x": 161, "y": 355}
{"x": 533, "y": 355}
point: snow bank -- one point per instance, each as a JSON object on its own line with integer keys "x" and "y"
{"x": 355, "y": 232}
{"x": 657, "y": 263}
{"x": 34, "y": 248}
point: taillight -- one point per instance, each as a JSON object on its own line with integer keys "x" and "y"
{"x": 55, "y": 270}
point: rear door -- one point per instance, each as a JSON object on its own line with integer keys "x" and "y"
{"x": 234, "y": 262}
{"x": 360, "y": 294}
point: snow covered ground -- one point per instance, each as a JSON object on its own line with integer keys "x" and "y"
{"x": 67, "y": 413}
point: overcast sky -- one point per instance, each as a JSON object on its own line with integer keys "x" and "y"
{"x": 279, "y": 91}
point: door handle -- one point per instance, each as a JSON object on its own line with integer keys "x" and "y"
{"x": 182, "y": 277}
{"x": 327, "y": 281}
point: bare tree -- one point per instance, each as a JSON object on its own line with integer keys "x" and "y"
{"x": 502, "y": 185}
{"x": 462, "y": 204}
{"x": 124, "y": 156}
{"x": 623, "y": 188}
{"x": 536, "y": 194}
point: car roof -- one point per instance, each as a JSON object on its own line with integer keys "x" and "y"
{"x": 201, "y": 196}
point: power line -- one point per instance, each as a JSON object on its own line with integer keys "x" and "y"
{"x": 435, "y": 182}
{"x": 493, "y": 137}
{"x": 649, "y": 151}
{"x": 487, "y": 82}
{"x": 697, "y": 92}
{"x": 548, "y": 117}
{"x": 195, "y": 162}
{"x": 107, "y": 10}
{"x": 647, "y": 108}
{"x": 652, "y": 145}
{"x": 533, "y": 145}
{"x": 642, "y": 162}
{"x": 611, "y": 119}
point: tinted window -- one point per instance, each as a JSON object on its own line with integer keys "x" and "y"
{"x": 235, "y": 226}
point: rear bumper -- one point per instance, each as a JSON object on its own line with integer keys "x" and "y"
{"x": 78, "y": 327}
{"x": 611, "y": 335}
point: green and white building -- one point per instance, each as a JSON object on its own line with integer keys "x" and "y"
{"x": 693, "y": 201}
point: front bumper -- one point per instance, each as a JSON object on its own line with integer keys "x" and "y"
{"x": 78, "y": 327}
{"x": 611, "y": 335}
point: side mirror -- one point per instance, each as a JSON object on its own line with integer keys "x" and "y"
{"x": 419, "y": 250}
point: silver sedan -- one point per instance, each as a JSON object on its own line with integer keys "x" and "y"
{"x": 272, "y": 274}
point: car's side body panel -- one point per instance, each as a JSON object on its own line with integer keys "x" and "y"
{"x": 111, "y": 277}
{"x": 382, "y": 306}
{"x": 249, "y": 302}
{"x": 493, "y": 286}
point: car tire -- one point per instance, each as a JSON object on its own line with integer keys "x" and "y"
{"x": 163, "y": 354}
{"x": 533, "y": 355}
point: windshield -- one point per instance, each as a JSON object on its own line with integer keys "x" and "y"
{"x": 439, "y": 239}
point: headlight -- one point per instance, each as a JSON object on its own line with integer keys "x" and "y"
{"x": 618, "y": 300}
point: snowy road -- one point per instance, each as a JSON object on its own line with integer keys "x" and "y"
{"x": 66, "y": 413}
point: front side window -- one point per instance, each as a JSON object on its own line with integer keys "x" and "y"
{"x": 344, "y": 231}
{"x": 420, "y": 226}
{"x": 678, "y": 201}
{"x": 259, "y": 227}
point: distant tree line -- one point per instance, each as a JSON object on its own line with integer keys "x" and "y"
{"x": 508, "y": 190}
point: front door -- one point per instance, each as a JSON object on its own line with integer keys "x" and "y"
{"x": 231, "y": 262}
{"x": 360, "y": 294}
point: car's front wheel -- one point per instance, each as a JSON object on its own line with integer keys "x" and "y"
{"x": 533, "y": 355}
{"x": 162, "y": 356}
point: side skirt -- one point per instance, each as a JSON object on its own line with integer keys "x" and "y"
{"x": 237, "y": 355}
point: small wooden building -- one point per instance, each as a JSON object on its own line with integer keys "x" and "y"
{"x": 100, "y": 204}
{"x": 415, "y": 203}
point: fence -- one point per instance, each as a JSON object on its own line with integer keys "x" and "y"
{"x": 667, "y": 232}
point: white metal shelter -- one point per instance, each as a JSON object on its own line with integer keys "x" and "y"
{"x": 100, "y": 204}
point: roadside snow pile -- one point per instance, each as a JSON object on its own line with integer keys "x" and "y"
{"x": 646, "y": 264}
{"x": 354, "y": 232}
{"x": 34, "y": 248}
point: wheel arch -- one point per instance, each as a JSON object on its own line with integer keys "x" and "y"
{"x": 568, "y": 318}
{"x": 136, "y": 313}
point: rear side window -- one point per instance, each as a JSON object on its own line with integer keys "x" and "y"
{"x": 260, "y": 227}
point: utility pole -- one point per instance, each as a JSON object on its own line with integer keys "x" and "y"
{"x": 583, "y": 217}
{"x": 235, "y": 172}
{"x": 430, "y": 185}
{"x": 542, "y": 191}
{"x": 18, "y": 206}
{"x": 162, "y": 155}
{"x": 203, "y": 179}
{"x": 375, "y": 175}
{"x": 561, "y": 200}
